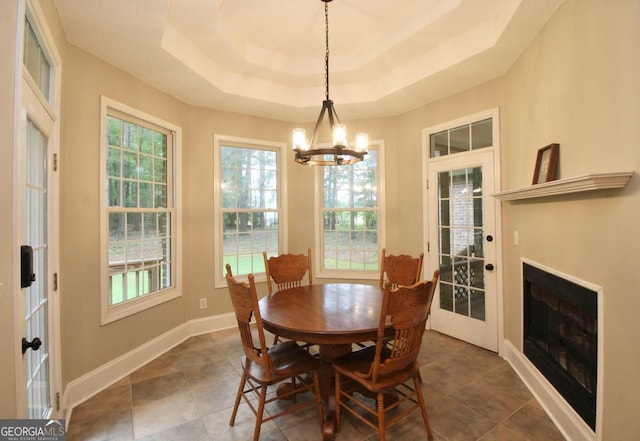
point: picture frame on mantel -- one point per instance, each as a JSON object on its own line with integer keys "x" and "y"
{"x": 546, "y": 164}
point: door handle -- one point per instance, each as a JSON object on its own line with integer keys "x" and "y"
{"x": 489, "y": 266}
{"x": 33, "y": 344}
{"x": 27, "y": 277}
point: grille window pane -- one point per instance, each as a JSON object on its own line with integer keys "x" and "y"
{"x": 140, "y": 213}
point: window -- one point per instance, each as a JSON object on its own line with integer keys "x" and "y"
{"x": 140, "y": 214}
{"x": 35, "y": 60}
{"x": 249, "y": 204}
{"x": 464, "y": 138}
{"x": 352, "y": 217}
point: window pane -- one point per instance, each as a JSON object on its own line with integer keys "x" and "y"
{"x": 35, "y": 60}
{"x": 114, "y": 193}
{"x": 116, "y": 226}
{"x": 114, "y": 162}
{"x": 150, "y": 225}
{"x": 350, "y": 216}
{"x": 446, "y": 296}
{"x": 140, "y": 237}
{"x": 146, "y": 141}
{"x": 145, "y": 170}
{"x": 130, "y": 165}
{"x": 130, "y": 193}
{"x": 130, "y": 136}
{"x": 250, "y": 200}
{"x": 459, "y": 139}
{"x": 146, "y": 194}
{"x": 159, "y": 170}
{"x": 482, "y": 134}
{"x": 439, "y": 144}
{"x": 474, "y": 136}
{"x": 160, "y": 144}
{"x": 114, "y": 132}
{"x": 160, "y": 195}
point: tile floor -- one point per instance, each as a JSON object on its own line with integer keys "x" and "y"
{"x": 188, "y": 394}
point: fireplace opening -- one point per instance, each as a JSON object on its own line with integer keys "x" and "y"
{"x": 561, "y": 336}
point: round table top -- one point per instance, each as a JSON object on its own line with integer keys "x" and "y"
{"x": 332, "y": 313}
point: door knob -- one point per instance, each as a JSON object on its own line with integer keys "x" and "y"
{"x": 489, "y": 266}
{"x": 489, "y": 238}
{"x": 33, "y": 344}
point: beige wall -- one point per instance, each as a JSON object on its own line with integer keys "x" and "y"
{"x": 87, "y": 344}
{"x": 7, "y": 88}
{"x": 577, "y": 84}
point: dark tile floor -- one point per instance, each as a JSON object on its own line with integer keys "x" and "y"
{"x": 188, "y": 394}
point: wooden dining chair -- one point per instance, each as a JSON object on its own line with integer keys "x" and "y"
{"x": 400, "y": 270}
{"x": 287, "y": 270}
{"x": 264, "y": 366}
{"x": 391, "y": 365}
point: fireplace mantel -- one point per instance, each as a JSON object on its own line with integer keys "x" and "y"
{"x": 596, "y": 181}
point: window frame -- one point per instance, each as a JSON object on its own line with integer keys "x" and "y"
{"x": 111, "y": 313}
{"x": 373, "y": 274}
{"x": 281, "y": 150}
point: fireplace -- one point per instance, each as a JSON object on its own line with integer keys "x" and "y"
{"x": 561, "y": 336}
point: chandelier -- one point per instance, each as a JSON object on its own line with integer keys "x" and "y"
{"x": 341, "y": 153}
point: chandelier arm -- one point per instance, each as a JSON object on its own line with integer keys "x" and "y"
{"x": 330, "y": 111}
{"x": 334, "y": 114}
{"x": 318, "y": 122}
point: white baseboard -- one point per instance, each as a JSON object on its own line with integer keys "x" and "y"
{"x": 561, "y": 413}
{"x": 80, "y": 389}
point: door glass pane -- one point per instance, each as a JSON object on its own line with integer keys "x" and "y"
{"x": 461, "y": 239}
{"x": 439, "y": 144}
{"x": 37, "y": 300}
{"x": 474, "y": 136}
{"x": 459, "y": 139}
{"x": 35, "y": 61}
{"x": 482, "y": 134}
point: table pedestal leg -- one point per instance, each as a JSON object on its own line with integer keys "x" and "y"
{"x": 328, "y": 353}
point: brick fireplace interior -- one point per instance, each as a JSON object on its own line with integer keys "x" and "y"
{"x": 560, "y": 336}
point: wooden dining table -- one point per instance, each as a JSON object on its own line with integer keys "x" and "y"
{"x": 333, "y": 316}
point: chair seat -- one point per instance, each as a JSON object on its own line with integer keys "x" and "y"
{"x": 287, "y": 359}
{"x": 360, "y": 362}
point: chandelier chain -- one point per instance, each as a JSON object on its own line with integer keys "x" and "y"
{"x": 326, "y": 53}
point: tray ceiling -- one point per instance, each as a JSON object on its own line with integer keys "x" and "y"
{"x": 266, "y": 58}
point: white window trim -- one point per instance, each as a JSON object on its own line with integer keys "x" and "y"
{"x": 322, "y": 273}
{"x": 218, "y": 141}
{"x": 111, "y": 313}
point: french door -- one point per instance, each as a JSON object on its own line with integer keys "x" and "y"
{"x": 462, "y": 240}
{"x": 35, "y": 343}
{"x": 38, "y": 379}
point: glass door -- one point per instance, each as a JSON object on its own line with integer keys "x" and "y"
{"x": 462, "y": 236}
{"x": 38, "y": 381}
{"x": 36, "y": 318}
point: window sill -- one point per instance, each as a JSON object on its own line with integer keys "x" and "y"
{"x": 113, "y": 313}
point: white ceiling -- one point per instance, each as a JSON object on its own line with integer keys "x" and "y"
{"x": 266, "y": 57}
